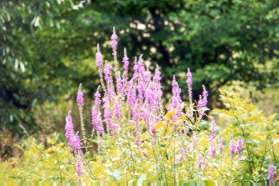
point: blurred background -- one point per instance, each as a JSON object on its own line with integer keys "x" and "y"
{"x": 48, "y": 47}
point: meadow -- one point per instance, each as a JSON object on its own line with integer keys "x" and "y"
{"x": 137, "y": 135}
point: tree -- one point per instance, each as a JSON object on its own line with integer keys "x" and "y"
{"x": 43, "y": 42}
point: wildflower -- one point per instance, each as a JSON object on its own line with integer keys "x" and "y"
{"x": 157, "y": 85}
{"x": 131, "y": 94}
{"x": 114, "y": 43}
{"x": 212, "y": 150}
{"x": 97, "y": 96}
{"x": 239, "y": 145}
{"x": 271, "y": 172}
{"x": 80, "y": 97}
{"x": 125, "y": 61}
{"x": 107, "y": 112}
{"x": 117, "y": 108}
{"x": 119, "y": 84}
{"x": 113, "y": 127}
{"x": 107, "y": 73}
{"x": 176, "y": 102}
{"x": 200, "y": 161}
{"x": 96, "y": 120}
{"x": 108, "y": 79}
{"x": 212, "y": 130}
{"x": 79, "y": 167}
{"x": 72, "y": 138}
{"x": 202, "y": 102}
{"x": 189, "y": 84}
{"x": 141, "y": 90}
{"x": 233, "y": 148}
{"x": 221, "y": 145}
{"x": 99, "y": 58}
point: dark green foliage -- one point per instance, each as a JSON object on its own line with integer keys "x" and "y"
{"x": 42, "y": 44}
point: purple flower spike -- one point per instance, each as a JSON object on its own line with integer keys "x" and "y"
{"x": 189, "y": 84}
{"x": 212, "y": 150}
{"x": 79, "y": 167}
{"x": 80, "y": 97}
{"x": 117, "y": 109}
{"x": 96, "y": 120}
{"x": 97, "y": 98}
{"x": 119, "y": 84}
{"x": 176, "y": 102}
{"x": 125, "y": 61}
{"x": 233, "y": 148}
{"x": 114, "y": 42}
{"x": 202, "y": 103}
{"x": 107, "y": 73}
{"x": 99, "y": 58}
{"x": 72, "y": 138}
{"x": 212, "y": 130}
{"x": 240, "y": 145}
{"x": 271, "y": 172}
{"x": 107, "y": 111}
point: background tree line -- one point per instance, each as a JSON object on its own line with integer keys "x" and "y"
{"x": 47, "y": 47}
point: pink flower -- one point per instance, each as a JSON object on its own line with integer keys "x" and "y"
{"x": 117, "y": 109}
{"x": 72, "y": 138}
{"x": 96, "y": 120}
{"x": 114, "y": 42}
{"x": 212, "y": 150}
{"x": 79, "y": 167}
{"x": 233, "y": 148}
{"x": 202, "y": 103}
{"x": 125, "y": 61}
{"x": 176, "y": 102}
{"x": 189, "y": 84}
{"x": 271, "y": 172}
{"x": 240, "y": 145}
{"x": 80, "y": 97}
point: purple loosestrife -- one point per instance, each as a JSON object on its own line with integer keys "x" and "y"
{"x": 97, "y": 98}
{"x": 141, "y": 90}
{"x": 80, "y": 103}
{"x": 125, "y": 61}
{"x": 72, "y": 138}
{"x": 202, "y": 103}
{"x": 271, "y": 172}
{"x": 119, "y": 84}
{"x": 111, "y": 126}
{"x": 131, "y": 94}
{"x": 221, "y": 146}
{"x": 80, "y": 97}
{"x": 114, "y": 43}
{"x": 189, "y": 84}
{"x": 79, "y": 167}
{"x": 117, "y": 108}
{"x": 107, "y": 111}
{"x": 108, "y": 79}
{"x": 240, "y": 145}
{"x": 176, "y": 102}
{"x": 201, "y": 161}
{"x": 233, "y": 148}
{"x": 212, "y": 130}
{"x": 99, "y": 64}
{"x": 107, "y": 73}
{"x": 96, "y": 120}
{"x": 212, "y": 150}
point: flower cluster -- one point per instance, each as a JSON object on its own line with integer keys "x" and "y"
{"x": 130, "y": 107}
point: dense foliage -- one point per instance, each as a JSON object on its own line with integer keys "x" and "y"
{"x": 134, "y": 137}
{"x": 43, "y": 45}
